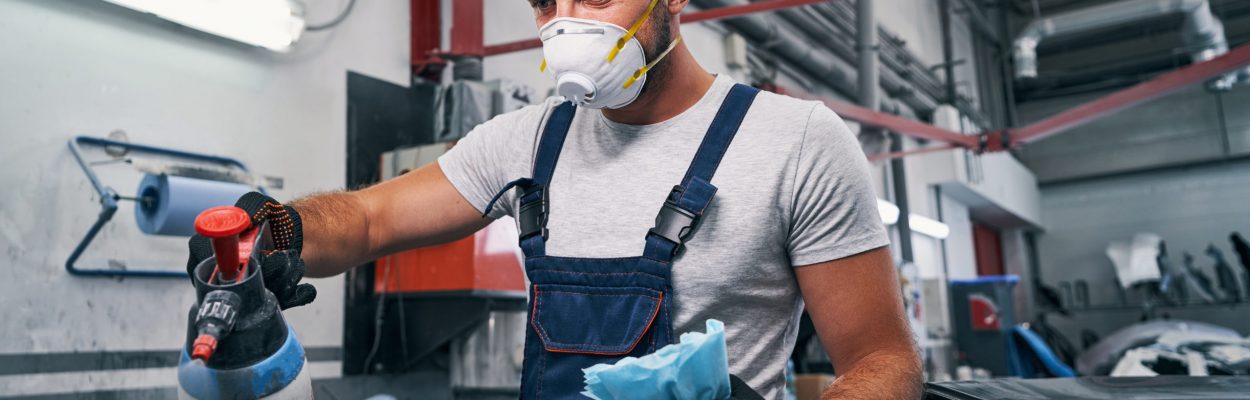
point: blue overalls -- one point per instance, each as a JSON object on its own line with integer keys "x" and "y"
{"x": 586, "y": 311}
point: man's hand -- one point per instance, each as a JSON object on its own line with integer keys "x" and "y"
{"x": 282, "y": 269}
{"x": 857, "y": 307}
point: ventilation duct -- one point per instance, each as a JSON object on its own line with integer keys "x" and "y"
{"x": 1202, "y": 32}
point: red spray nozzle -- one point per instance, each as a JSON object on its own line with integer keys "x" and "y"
{"x": 204, "y": 347}
{"x": 223, "y": 225}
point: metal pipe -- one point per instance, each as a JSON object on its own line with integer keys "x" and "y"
{"x": 745, "y": 9}
{"x": 866, "y": 45}
{"x": 898, "y": 176}
{"x": 1234, "y": 60}
{"x": 1203, "y": 34}
{"x": 948, "y": 51}
{"x": 891, "y": 80}
{"x": 980, "y": 22}
{"x": 771, "y": 33}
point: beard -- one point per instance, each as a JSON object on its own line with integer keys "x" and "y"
{"x": 661, "y": 38}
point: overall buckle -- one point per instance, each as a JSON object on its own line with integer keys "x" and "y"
{"x": 674, "y": 223}
{"x": 532, "y": 218}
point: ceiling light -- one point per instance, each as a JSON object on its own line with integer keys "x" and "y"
{"x": 272, "y": 24}
{"x": 888, "y": 211}
{"x": 928, "y": 226}
{"x": 919, "y": 224}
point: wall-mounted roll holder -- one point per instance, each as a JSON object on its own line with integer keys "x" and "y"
{"x": 109, "y": 198}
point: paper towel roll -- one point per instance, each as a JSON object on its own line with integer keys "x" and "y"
{"x": 176, "y": 201}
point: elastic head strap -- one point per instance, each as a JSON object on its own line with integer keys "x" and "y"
{"x": 633, "y": 29}
{"x": 642, "y": 71}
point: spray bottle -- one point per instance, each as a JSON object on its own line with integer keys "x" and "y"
{"x": 238, "y": 344}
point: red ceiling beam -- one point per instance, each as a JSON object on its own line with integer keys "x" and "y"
{"x": 1158, "y": 87}
{"x": 510, "y": 47}
{"x": 901, "y": 154}
{"x": 898, "y": 124}
{"x": 698, "y": 16}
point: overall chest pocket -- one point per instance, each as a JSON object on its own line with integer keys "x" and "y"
{"x": 593, "y": 320}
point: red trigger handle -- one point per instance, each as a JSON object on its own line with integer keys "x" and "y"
{"x": 223, "y": 226}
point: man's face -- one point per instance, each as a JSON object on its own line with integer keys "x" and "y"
{"x": 655, "y": 34}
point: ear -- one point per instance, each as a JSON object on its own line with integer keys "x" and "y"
{"x": 676, "y": 6}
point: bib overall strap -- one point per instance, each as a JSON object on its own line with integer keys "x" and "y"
{"x": 532, "y": 215}
{"x": 685, "y": 203}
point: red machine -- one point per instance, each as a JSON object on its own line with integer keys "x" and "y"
{"x": 487, "y": 261}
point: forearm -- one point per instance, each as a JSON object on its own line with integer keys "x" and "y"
{"x": 880, "y": 375}
{"x": 335, "y": 231}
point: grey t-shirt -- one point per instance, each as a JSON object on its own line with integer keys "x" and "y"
{"x": 793, "y": 190}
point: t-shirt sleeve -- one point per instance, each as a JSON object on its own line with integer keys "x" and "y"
{"x": 492, "y": 154}
{"x": 835, "y": 211}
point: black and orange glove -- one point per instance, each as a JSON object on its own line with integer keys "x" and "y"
{"x": 281, "y": 269}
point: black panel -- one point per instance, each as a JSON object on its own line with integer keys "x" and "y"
{"x": 381, "y": 116}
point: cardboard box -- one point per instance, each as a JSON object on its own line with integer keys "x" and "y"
{"x": 810, "y": 386}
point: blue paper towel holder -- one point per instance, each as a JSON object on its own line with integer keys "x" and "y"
{"x": 109, "y": 199}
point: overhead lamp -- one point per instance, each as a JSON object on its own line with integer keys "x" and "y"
{"x": 273, "y": 24}
{"x": 928, "y": 226}
{"x": 919, "y": 224}
{"x": 888, "y": 211}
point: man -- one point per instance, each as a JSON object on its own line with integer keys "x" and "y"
{"x": 772, "y": 211}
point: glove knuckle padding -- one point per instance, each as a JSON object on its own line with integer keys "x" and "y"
{"x": 281, "y": 269}
{"x": 200, "y": 249}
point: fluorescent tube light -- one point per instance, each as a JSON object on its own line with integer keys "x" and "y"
{"x": 928, "y": 226}
{"x": 888, "y": 211}
{"x": 272, "y": 24}
{"x": 919, "y": 224}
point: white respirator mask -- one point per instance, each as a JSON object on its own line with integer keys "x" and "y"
{"x": 597, "y": 64}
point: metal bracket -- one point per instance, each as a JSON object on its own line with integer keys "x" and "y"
{"x": 109, "y": 200}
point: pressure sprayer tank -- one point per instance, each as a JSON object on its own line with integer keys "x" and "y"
{"x": 238, "y": 345}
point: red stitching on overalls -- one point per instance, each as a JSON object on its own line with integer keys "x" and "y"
{"x": 631, "y": 348}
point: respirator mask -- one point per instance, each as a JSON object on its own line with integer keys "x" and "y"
{"x": 597, "y": 64}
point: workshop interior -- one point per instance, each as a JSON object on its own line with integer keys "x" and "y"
{"x": 1065, "y": 185}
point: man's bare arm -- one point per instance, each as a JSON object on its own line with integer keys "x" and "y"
{"x": 345, "y": 229}
{"x": 857, "y": 308}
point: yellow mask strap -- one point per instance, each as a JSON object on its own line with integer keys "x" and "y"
{"x": 629, "y": 34}
{"x": 642, "y": 71}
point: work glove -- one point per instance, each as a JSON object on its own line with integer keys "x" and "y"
{"x": 282, "y": 268}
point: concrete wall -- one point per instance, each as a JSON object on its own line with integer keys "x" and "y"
{"x": 86, "y": 68}
{"x": 1192, "y": 125}
{"x": 1189, "y": 207}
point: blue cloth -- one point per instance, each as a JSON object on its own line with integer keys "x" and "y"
{"x": 696, "y": 368}
{"x": 588, "y": 311}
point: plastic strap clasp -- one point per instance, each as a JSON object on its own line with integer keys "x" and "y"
{"x": 674, "y": 222}
{"x": 532, "y": 218}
